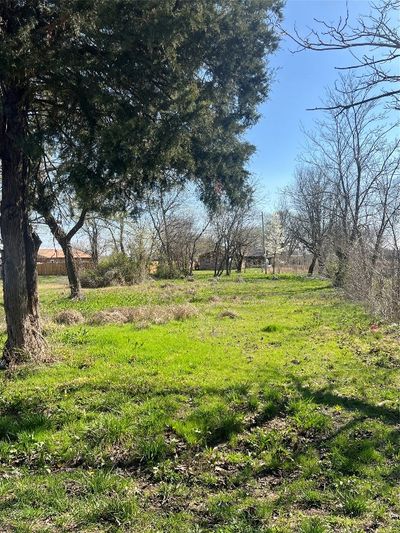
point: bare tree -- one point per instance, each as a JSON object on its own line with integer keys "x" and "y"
{"x": 141, "y": 246}
{"x": 94, "y": 230}
{"x": 179, "y": 223}
{"x": 233, "y": 232}
{"x": 374, "y": 44}
{"x": 274, "y": 238}
{"x": 119, "y": 228}
{"x": 348, "y": 149}
{"x": 386, "y": 203}
{"x": 310, "y": 215}
{"x": 58, "y": 211}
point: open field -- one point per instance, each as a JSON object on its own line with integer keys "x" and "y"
{"x": 253, "y": 405}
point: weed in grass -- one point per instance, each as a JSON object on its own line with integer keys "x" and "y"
{"x": 353, "y": 451}
{"x": 313, "y": 525}
{"x": 351, "y": 501}
{"x": 308, "y": 417}
{"x": 273, "y": 402}
{"x": 221, "y": 507}
{"x": 76, "y": 337}
{"x": 114, "y": 510}
{"x": 309, "y": 463}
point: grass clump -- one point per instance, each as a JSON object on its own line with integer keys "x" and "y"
{"x": 111, "y": 316}
{"x": 209, "y": 424}
{"x": 69, "y": 317}
{"x": 272, "y": 328}
{"x": 228, "y": 314}
{"x": 144, "y": 316}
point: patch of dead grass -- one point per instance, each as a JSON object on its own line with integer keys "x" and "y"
{"x": 111, "y": 316}
{"x": 143, "y": 317}
{"x": 69, "y": 317}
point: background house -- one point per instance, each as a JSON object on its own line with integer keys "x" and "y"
{"x": 51, "y": 261}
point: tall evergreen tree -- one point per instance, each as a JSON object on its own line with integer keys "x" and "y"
{"x": 120, "y": 90}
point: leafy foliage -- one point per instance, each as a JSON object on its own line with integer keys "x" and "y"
{"x": 121, "y": 91}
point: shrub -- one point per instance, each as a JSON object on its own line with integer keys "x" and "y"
{"x": 119, "y": 269}
{"x": 167, "y": 271}
{"x": 376, "y": 285}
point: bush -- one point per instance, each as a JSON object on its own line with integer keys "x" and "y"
{"x": 118, "y": 269}
{"x": 376, "y": 285}
{"x": 167, "y": 271}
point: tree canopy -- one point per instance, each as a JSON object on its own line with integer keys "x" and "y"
{"x": 122, "y": 89}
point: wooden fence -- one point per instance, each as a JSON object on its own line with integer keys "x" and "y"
{"x": 58, "y": 269}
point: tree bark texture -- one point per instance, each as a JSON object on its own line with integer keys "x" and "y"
{"x": 20, "y": 243}
{"x": 311, "y": 268}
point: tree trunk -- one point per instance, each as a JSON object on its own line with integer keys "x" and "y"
{"x": 240, "y": 263}
{"x": 20, "y": 244}
{"x": 72, "y": 270}
{"x": 64, "y": 240}
{"x": 94, "y": 244}
{"x": 340, "y": 274}
{"x": 312, "y": 265}
{"x": 321, "y": 264}
{"x": 228, "y": 262}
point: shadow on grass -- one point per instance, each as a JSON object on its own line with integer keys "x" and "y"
{"x": 23, "y": 415}
{"x": 327, "y": 397}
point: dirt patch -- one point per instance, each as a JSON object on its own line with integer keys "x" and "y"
{"x": 228, "y": 314}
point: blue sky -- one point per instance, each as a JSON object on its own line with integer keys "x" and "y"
{"x": 300, "y": 83}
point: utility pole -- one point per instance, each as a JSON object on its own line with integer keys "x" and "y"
{"x": 265, "y": 250}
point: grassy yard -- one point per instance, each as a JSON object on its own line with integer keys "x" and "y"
{"x": 240, "y": 405}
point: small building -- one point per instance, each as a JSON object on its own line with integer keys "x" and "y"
{"x": 56, "y": 255}
{"x": 206, "y": 261}
{"x": 254, "y": 258}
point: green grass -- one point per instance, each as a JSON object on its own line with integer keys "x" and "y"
{"x": 281, "y": 415}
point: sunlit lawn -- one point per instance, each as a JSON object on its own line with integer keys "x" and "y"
{"x": 274, "y": 408}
